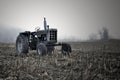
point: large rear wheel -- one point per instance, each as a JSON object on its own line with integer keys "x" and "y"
{"x": 22, "y": 44}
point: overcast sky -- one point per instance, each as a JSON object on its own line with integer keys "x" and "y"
{"x": 72, "y": 18}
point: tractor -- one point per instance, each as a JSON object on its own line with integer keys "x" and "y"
{"x": 43, "y": 41}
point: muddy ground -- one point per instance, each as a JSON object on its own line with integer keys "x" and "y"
{"x": 88, "y": 61}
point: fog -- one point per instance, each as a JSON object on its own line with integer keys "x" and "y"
{"x": 8, "y": 33}
{"x": 74, "y": 19}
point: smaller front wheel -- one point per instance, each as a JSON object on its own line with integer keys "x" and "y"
{"x": 41, "y": 49}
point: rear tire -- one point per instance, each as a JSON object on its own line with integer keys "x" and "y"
{"x": 41, "y": 49}
{"x": 22, "y": 44}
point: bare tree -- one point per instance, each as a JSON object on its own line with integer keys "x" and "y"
{"x": 104, "y": 34}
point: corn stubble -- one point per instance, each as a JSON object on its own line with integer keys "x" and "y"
{"x": 88, "y": 61}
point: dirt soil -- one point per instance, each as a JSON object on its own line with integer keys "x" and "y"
{"x": 88, "y": 61}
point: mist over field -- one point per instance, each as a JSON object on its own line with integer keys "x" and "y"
{"x": 8, "y": 33}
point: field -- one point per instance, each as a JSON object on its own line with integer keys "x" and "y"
{"x": 98, "y": 60}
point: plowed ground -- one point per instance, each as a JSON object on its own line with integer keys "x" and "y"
{"x": 88, "y": 61}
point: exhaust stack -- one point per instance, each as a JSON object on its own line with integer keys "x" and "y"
{"x": 45, "y": 24}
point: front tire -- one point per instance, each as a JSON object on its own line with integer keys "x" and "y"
{"x": 41, "y": 49}
{"x": 22, "y": 44}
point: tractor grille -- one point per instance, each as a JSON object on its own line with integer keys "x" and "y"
{"x": 53, "y": 35}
